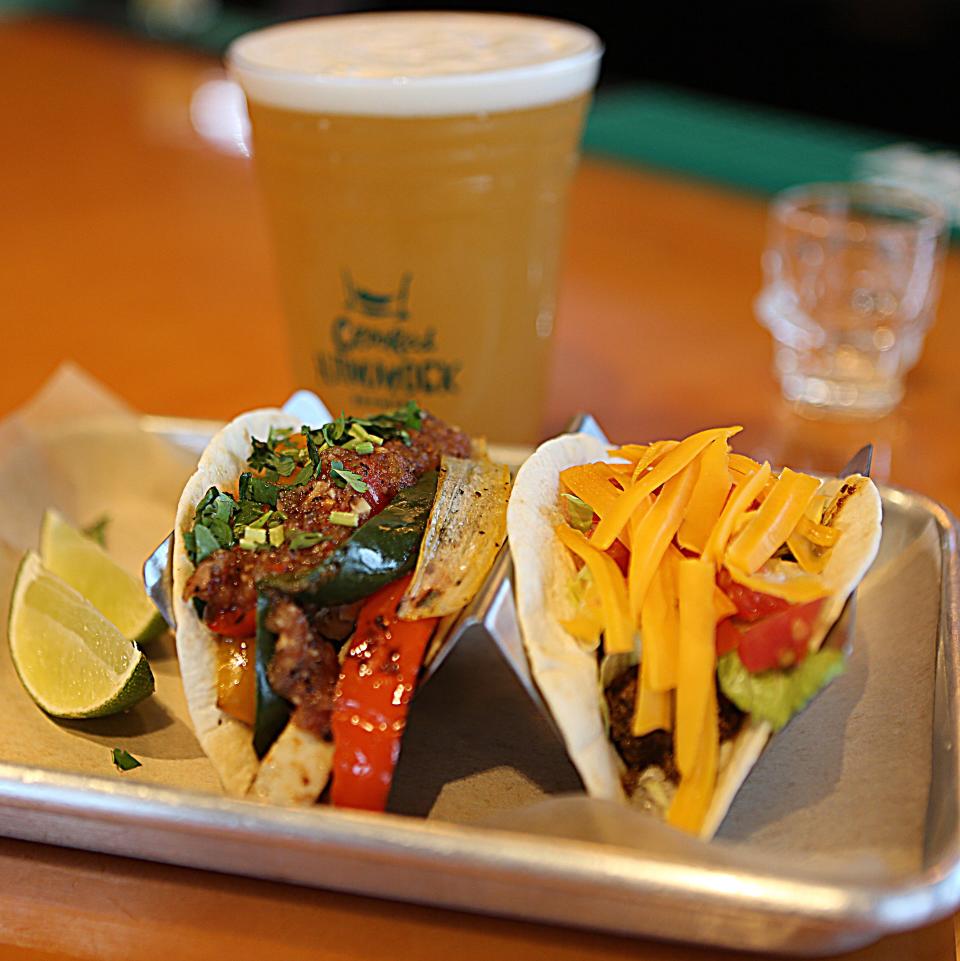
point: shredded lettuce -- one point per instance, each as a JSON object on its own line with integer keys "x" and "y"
{"x": 775, "y": 696}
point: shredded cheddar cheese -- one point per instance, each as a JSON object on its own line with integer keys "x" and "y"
{"x": 709, "y": 496}
{"x": 679, "y": 457}
{"x": 618, "y": 630}
{"x": 650, "y": 538}
{"x": 779, "y": 514}
{"x": 686, "y": 510}
{"x": 654, "y": 709}
{"x": 696, "y": 658}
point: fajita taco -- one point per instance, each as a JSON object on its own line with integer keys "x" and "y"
{"x": 674, "y": 599}
{"x": 314, "y": 566}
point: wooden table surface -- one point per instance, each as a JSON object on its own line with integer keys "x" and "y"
{"x": 131, "y": 241}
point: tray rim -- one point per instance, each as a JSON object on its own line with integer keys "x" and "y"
{"x": 865, "y": 911}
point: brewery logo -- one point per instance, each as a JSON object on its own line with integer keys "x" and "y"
{"x": 369, "y": 304}
{"x": 375, "y": 349}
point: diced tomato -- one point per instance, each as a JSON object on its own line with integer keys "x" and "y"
{"x": 751, "y": 605}
{"x": 779, "y": 640}
{"x": 232, "y": 622}
{"x": 376, "y": 684}
{"x": 616, "y": 550}
{"x": 728, "y": 637}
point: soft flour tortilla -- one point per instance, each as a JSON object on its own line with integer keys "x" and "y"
{"x": 567, "y": 675}
{"x": 227, "y": 742}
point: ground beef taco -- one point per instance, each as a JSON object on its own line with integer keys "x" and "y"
{"x": 674, "y": 599}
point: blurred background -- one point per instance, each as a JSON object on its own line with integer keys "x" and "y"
{"x": 752, "y": 94}
{"x": 704, "y": 111}
{"x": 881, "y": 63}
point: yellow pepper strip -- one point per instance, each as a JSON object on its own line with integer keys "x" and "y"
{"x": 778, "y": 516}
{"x": 783, "y": 579}
{"x": 613, "y": 522}
{"x": 652, "y": 532}
{"x": 655, "y": 452}
{"x": 618, "y": 630}
{"x": 660, "y": 626}
{"x": 695, "y": 794}
{"x": 810, "y": 541}
{"x": 737, "y": 504}
{"x": 811, "y": 528}
{"x": 696, "y": 661}
{"x": 653, "y": 710}
{"x": 708, "y": 499}
{"x": 811, "y": 557}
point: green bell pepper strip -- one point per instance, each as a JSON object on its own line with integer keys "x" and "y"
{"x": 382, "y": 550}
{"x": 272, "y": 711}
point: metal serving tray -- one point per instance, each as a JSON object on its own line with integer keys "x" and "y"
{"x": 573, "y": 861}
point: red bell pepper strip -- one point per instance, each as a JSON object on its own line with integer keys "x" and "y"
{"x": 377, "y": 680}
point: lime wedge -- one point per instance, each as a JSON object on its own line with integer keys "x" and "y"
{"x": 89, "y": 569}
{"x": 71, "y": 659}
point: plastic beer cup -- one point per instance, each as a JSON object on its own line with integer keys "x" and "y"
{"x": 415, "y": 168}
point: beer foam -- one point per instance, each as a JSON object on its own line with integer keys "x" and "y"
{"x": 416, "y": 64}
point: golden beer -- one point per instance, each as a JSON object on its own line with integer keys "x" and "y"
{"x": 418, "y": 220}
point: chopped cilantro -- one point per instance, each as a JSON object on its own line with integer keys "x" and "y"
{"x": 278, "y": 434}
{"x": 344, "y": 478}
{"x": 124, "y": 760}
{"x": 273, "y": 460}
{"x": 97, "y": 531}
{"x": 261, "y": 454}
{"x": 312, "y": 452}
{"x": 220, "y": 521}
{"x": 224, "y": 521}
{"x": 224, "y": 507}
{"x": 261, "y": 521}
{"x": 305, "y": 474}
{"x": 393, "y": 425}
{"x": 205, "y": 542}
{"x": 333, "y": 433}
{"x": 248, "y": 512}
{"x": 220, "y": 530}
{"x": 211, "y": 495}
{"x": 258, "y": 489}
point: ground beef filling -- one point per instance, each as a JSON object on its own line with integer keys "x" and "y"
{"x": 226, "y": 580}
{"x": 304, "y": 667}
{"x": 639, "y": 753}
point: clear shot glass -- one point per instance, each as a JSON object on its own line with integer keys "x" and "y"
{"x": 852, "y": 278}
